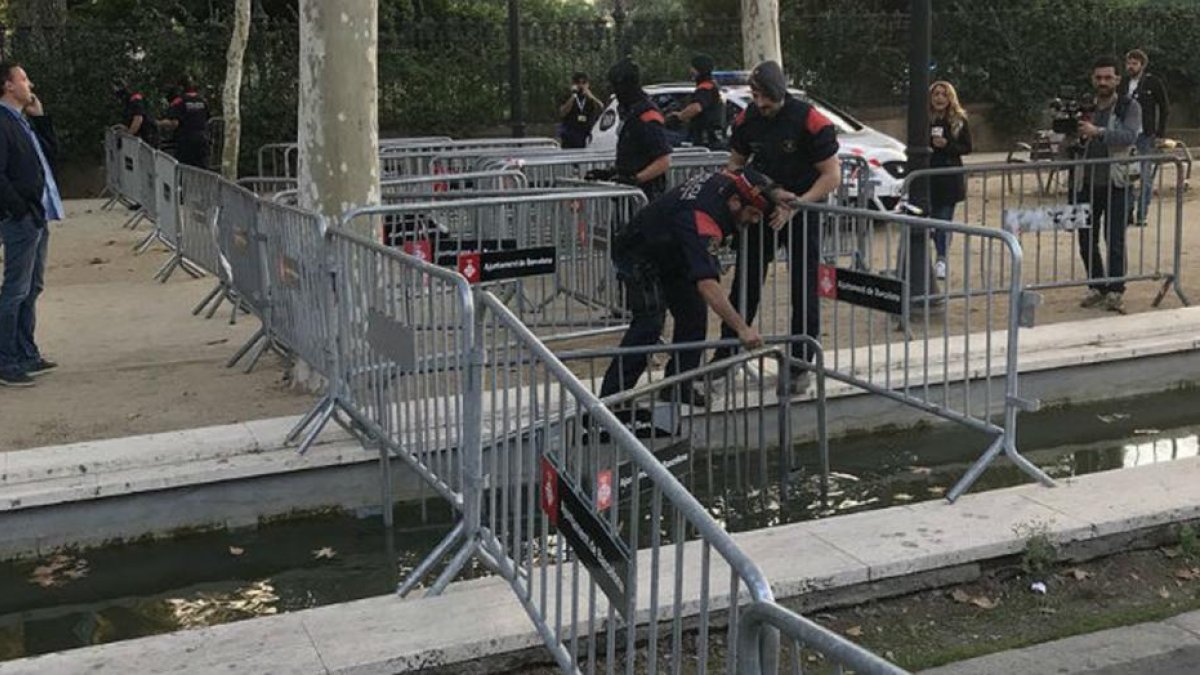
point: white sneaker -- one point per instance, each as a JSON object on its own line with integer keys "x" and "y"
{"x": 939, "y": 269}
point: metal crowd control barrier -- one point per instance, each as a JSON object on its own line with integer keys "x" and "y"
{"x": 603, "y": 543}
{"x": 281, "y": 160}
{"x": 136, "y": 176}
{"x": 551, "y": 248}
{"x": 477, "y": 159}
{"x": 295, "y": 271}
{"x": 471, "y": 181}
{"x": 112, "y": 168}
{"x": 802, "y": 634}
{"x": 166, "y": 205}
{"x": 199, "y": 194}
{"x": 267, "y": 186}
{"x": 415, "y": 159}
{"x": 238, "y": 252}
{"x": 1057, "y": 219}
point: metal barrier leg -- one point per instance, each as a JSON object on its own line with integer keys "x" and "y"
{"x": 305, "y": 421}
{"x": 136, "y": 218}
{"x": 432, "y": 559}
{"x": 1001, "y": 444}
{"x": 177, "y": 261}
{"x": 457, "y": 563}
{"x": 318, "y": 422}
{"x": 214, "y": 293}
{"x": 259, "y": 336}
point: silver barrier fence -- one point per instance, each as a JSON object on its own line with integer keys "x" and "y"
{"x": 136, "y": 177}
{"x": 550, "y": 248}
{"x": 199, "y": 205}
{"x": 295, "y": 270}
{"x": 267, "y": 186}
{"x": 946, "y": 348}
{"x": 800, "y": 635}
{"x": 112, "y": 168}
{"x": 239, "y": 254}
{"x": 415, "y": 159}
{"x": 478, "y": 159}
{"x": 166, "y": 208}
{"x": 609, "y": 575}
{"x": 469, "y": 181}
{"x": 1057, "y": 218}
{"x": 281, "y": 160}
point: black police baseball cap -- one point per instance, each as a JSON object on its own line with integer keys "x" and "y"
{"x": 768, "y": 79}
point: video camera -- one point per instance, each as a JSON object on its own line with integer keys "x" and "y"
{"x": 1069, "y": 109}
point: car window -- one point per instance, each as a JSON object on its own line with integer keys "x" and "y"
{"x": 671, "y": 101}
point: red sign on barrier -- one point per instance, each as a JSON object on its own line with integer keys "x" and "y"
{"x": 604, "y": 489}
{"x": 827, "y": 282}
{"x": 549, "y": 491}
{"x": 470, "y": 267}
{"x": 421, "y": 249}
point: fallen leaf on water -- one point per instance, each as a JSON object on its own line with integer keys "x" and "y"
{"x": 324, "y": 552}
{"x": 58, "y": 570}
{"x": 1134, "y": 576}
{"x": 1115, "y": 417}
{"x": 854, "y": 631}
{"x": 236, "y": 550}
{"x": 959, "y": 595}
{"x": 1188, "y": 574}
{"x": 936, "y": 490}
{"x": 1079, "y": 574}
{"x": 902, "y": 497}
{"x": 984, "y": 602}
{"x": 920, "y": 470}
{"x": 1171, "y": 552}
{"x": 1145, "y": 432}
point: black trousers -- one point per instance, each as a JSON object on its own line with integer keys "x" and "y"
{"x": 649, "y": 295}
{"x": 1110, "y": 205}
{"x": 802, "y": 237}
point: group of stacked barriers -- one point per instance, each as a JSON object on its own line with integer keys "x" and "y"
{"x": 462, "y": 326}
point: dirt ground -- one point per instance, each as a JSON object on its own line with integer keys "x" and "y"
{"x": 133, "y": 359}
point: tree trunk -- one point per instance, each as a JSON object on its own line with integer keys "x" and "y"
{"x": 232, "y": 98}
{"x": 760, "y": 32}
{"x": 338, "y": 118}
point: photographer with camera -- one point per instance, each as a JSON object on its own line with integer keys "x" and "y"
{"x": 1110, "y": 130}
{"x": 578, "y": 113}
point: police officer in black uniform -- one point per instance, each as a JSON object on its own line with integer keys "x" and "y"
{"x": 136, "y": 118}
{"x": 705, "y": 113}
{"x": 187, "y": 116}
{"x": 796, "y": 146}
{"x": 666, "y": 258}
{"x": 643, "y": 153}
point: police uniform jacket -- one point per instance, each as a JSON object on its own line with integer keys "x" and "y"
{"x": 788, "y": 146}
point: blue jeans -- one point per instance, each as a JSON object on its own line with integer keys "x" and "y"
{"x": 1145, "y": 146}
{"x": 25, "y": 241}
{"x": 941, "y": 238}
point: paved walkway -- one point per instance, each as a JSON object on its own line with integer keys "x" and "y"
{"x": 1170, "y": 647}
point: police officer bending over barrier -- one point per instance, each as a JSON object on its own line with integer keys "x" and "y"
{"x": 643, "y": 153}
{"x": 705, "y": 114}
{"x": 793, "y": 144}
{"x": 666, "y": 257}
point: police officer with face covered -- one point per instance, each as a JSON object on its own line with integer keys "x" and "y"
{"x": 705, "y": 113}
{"x": 187, "y": 116}
{"x": 666, "y": 258}
{"x": 643, "y": 152}
{"x": 793, "y": 144}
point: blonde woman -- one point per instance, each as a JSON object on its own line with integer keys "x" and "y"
{"x": 950, "y": 138}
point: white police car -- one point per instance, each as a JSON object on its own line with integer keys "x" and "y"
{"x": 884, "y": 154}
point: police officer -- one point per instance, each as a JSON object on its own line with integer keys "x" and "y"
{"x": 136, "y": 119}
{"x": 666, "y": 259}
{"x": 187, "y": 116}
{"x": 705, "y": 113}
{"x": 796, "y": 146}
{"x": 578, "y": 113}
{"x": 643, "y": 153}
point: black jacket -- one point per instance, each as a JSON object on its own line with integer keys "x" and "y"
{"x": 949, "y": 189}
{"x": 22, "y": 180}
{"x": 1151, "y": 95}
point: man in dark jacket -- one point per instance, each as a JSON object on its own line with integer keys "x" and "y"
{"x": 643, "y": 153}
{"x": 1151, "y": 95}
{"x": 28, "y": 199}
{"x": 666, "y": 258}
{"x": 796, "y": 146}
{"x": 187, "y": 117}
{"x": 705, "y": 113}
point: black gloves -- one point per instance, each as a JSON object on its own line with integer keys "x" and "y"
{"x": 600, "y": 174}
